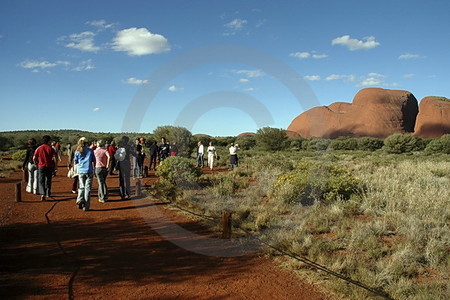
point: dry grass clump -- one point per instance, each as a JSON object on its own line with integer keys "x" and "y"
{"x": 8, "y": 166}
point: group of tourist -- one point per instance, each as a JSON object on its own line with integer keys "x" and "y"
{"x": 100, "y": 159}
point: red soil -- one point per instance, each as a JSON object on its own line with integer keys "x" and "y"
{"x": 53, "y": 250}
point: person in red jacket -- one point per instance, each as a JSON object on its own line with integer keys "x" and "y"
{"x": 112, "y": 150}
{"x": 46, "y": 160}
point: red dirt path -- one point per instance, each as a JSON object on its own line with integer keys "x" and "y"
{"x": 53, "y": 250}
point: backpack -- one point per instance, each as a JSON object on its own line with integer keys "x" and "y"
{"x": 120, "y": 154}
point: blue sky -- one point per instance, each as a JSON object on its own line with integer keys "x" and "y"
{"x": 216, "y": 67}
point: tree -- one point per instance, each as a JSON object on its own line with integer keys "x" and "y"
{"x": 177, "y": 134}
{"x": 270, "y": 139}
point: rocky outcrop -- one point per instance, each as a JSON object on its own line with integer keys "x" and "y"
{"x": 433, "y": 119}
{"x": 246, "y": 134}
{"x": 374, "y": 112}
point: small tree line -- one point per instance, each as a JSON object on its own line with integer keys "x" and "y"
{"x": 265, "y": 139}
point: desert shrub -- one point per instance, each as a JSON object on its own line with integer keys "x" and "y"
{"x": 270, "y": 139}
{"x": 440, "y": 145}
{"x": 344, "y": 143}
{"x": 246, "y": 143}
{"x": 179, "y": 171}
{"x": 315, "y": 144}
{"x": 19, "y": 155}
{"x": 296, "y": 143}
{"x": 369, "y": 143}
{"x": 402, "y": 143}
{"x": 227, "y": 184}
{"x": 272, "y": 161}
{"x": 314, "y": 181}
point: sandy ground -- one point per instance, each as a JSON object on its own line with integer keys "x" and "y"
{"x": 53, "y": 250}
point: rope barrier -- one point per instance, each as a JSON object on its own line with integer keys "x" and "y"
{"x": 293, "y": 256}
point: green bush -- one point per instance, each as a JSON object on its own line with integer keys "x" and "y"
{"x": 403, "y": 143}
{"x": 369, "y": 143}
{"x": 179, "y": 171}
{"x": 316, "y": 144}
{"x": 296, "y": 143}
{"x": 271, "y": 139}
{"x": 246, "y": 143}
{"x": 344, "y": 143}
{"x": 19, "y": 155}
{"x": 314, "y": 181}
{"x": 440, "y": 145}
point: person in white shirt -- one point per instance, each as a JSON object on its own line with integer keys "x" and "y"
{"x": 233, "y": 156}
{"x": 212, "y": 154}
{"x": 200, "y": 153}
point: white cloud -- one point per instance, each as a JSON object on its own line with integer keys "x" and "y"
{"x": 303, "y": 55}
{"x": 372, "y": 79}
{"x": 410, "y": 75}
{"x": 409, "y": 56}
{"x": 173, "y": 88}
{"x": 354, "y": 44}
{"x": 96, "y": 109}
{"x": 100, "y": 24}
{"x": 340, "y": 76}
{"x": 133, "y": 80}
{"x": 34, "y": 64}
{"x": 244, "y": 80}
{"x": 236, "y": 24}
{"x": 319, "y": 56}
{"x": 249, "y": 89}
{"x": 300, "y": 55}
{"x": 312, "y": 77}
{"x": 260, "y": 23}
{"x": 85, "y": 65}
{"x": 140, "y": 41}
{"x": 83, "y": 41}
{"x": 250, "y": 73}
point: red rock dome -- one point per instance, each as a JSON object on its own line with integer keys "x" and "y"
{"x": 433, "y": 119}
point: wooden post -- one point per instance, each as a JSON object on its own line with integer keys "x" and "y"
{"x": 138, "y": 188}
{"x": 145, "y": 171}
{"x": 18, "y": 192}
{"x": 226, "y": 225}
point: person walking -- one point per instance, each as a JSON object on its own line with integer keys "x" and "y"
{"x": 30, "y": 167}
{"x": 112, "y": 150}
{"x": 200, "y": 153}
{"x": 85, "y": 158}
{"x": 143, "y": 154}
{"x": 212, "y": 154}
{"x": 153, "y": 155}
{"x": 70, "y": 157}
{"x": 46, "y": 161}
{"x": 123, "y": 165}
{"x": 102, "y": 165}
{"x": 164, "y": 149}
{"x": 233, "y": 156}
{"x": 136, "y": 165}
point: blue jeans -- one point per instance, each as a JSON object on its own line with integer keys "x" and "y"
{"x": 200, "y": 162}
{"x": 45, "y": 175}
{"x": 84, "y": 189}
{"x": 124, "y": 179}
